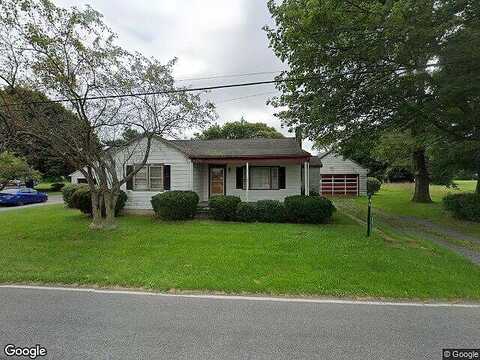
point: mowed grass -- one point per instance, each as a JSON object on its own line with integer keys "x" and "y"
{"x": 396, "y": 199}
{"x": 53, "y": 245}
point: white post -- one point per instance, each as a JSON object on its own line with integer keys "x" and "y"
{"x": 248, "y": 182}
{"x": 307, "y": 180}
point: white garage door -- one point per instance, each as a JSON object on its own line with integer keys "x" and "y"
{"x": 339, "y": 184}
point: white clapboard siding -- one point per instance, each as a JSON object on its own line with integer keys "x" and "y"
{"x": 181, "y": 173}
{"x": 76, "y": 176}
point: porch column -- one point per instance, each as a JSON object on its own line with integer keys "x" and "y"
{"x": 248, "y": 182}
{"x": 307, "y": 178}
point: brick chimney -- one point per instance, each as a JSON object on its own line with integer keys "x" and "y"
{"x": 299, "y": 136}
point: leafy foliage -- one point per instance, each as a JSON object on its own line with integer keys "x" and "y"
{"x": 365, "y": 67}
{"x": 14, "y": 168}
{"x": 82, "y": 200}
{"x": 175, "y": 205}
{"x": 239, "y": 130}
{"x": 308, "y": 209}
{"x": 271, "y": 211}
{"x": 223, "y": 207}
{"x": 465, "y": 206}
{"x": 373, "y": 185}
{"x": 67, "y": 193}
{"x": 247, "y": 212}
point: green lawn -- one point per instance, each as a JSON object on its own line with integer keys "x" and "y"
{"x": 46, "y": 187}
{"x": 53, "y": 245}
{"x": 396, "y": 199}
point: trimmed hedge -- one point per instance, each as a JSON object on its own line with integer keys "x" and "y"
{"x": 308, "y": 209}
{"x": 223, "y": 207}
{"x": 247, "y": 212}
{"x": 465, "y": 206}
{"x": 68, "y": 191}
{"x": 271, "y": 211}
{"x": 57, "y": 186}
{"x": 373, "y": 185}
{"x": 175, "y": 205}
{"x": 82, "y": 200}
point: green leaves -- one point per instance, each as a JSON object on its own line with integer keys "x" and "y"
{"x": 14, "y": 168}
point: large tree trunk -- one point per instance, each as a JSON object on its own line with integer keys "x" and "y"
{"x": 422, "y": 177}
{"x": 110, "y": 198}
{"x": 97, "y": 219}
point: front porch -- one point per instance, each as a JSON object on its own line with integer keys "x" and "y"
{"x": 251, "y": 179}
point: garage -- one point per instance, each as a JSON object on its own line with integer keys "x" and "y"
{"x": 334, "y": 175}
{"x": 337, "y": 184}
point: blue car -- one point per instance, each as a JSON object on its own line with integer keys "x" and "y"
{"x": 22, "y": 196}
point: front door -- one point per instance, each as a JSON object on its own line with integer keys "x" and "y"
{"x": 217, "y": 181}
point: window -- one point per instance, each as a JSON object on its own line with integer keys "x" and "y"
{"x": 151, "y": 177}
{"x": 156, "y": 177}
{"x": 261, "y": 178}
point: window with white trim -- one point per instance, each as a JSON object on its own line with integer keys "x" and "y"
{"x": 149, "y": 178}
{"x": 263, "y": 178}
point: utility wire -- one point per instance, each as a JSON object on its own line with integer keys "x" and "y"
{"x": 224, "y": 86}
{"x": 173, "y": 91}
{"x": 230, "y": 76}
{"x": 246, "y": 97}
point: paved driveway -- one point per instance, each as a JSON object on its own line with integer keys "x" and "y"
{"x": 52, "y": 199}
{"x": 91, "y": 325}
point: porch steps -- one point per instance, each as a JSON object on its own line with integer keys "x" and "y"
{"x": 202, "y": 210}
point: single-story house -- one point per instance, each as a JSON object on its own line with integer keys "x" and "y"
{"x": 252, "y": 169}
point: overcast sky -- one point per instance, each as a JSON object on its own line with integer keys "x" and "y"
{"x": 209, "y": 38}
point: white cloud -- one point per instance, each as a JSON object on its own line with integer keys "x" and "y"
{"x": 209, "y": 38}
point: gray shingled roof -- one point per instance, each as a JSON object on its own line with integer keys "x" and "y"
{"x": 223, "y": 148}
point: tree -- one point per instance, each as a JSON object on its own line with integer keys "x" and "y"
{"x": 37, "y": 153}
{"x": 14, "y": 168}
{"x": 364, "y": 67}
{"x": 239, "y": 130}
{"x": 72, "y": 55}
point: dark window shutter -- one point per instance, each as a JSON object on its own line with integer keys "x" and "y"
{"x": 166, "y": 177}
{"x": 239, "y": 177}
{"x": 281, "y": 177}
{"x": 129, "y": 170}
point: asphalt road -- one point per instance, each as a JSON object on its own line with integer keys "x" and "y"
{"x": 91, "y": 325}
{"x": 52, "y": 199}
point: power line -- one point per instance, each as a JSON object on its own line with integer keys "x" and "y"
{"x": 230, "y": 76}
{"x": 224, "y": 86}
{"x": 165, "y": 92}
{"x": 246, "y": 97}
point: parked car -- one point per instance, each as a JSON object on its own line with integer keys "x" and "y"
{"x": 22, "y": 196}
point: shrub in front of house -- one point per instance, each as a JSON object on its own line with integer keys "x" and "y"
{"x": 57, "y": 186}
{"x": 247, "y": 212}
{"x": 373, "y": 185}
{"x": 270, "y": 211}
{"x": 175, "y": 205}
{"x": 308, "y": 209}
{"x": 465, "y": 206}
{"x": 68, "y": 191}
{"x": 223, "y": 207}
{"x": 82, "y": 201}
